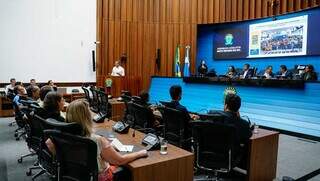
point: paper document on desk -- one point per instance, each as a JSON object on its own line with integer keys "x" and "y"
{"x": 120, "y": 147}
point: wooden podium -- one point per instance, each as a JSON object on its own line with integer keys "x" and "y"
{"x": 127, "y": 83}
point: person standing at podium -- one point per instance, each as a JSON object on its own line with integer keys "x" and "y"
{"x": 117, "y": 70}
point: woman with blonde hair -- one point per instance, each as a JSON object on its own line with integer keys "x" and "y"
{"x": 78, "y": 111}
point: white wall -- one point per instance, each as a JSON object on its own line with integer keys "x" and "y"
{"x": 47, "y": 39}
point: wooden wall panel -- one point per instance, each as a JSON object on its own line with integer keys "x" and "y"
{"x": 222, "y": 10}
{"x": 210, "y": 11}
{"x": 290, "y": 5}
{"x": 258, "y": 9}
{"x": 205, "y": 11}
{"x": 199, "y": 11}
{"x": 240, "y": 10}
{"x": 284, "y": 6}
{"x": 228, "y": 10}
{"x": 234, "y": 10}
{"x": 139, "y": 27}
{"x": 216, "y": 8}
{"x": 252, "y": 8}
{"x": 111, "y": 9}
{"x": 264, "y": 11}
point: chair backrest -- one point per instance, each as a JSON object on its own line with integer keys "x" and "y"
{"x": 76, "y": 156}
{"x": 45, "y": 157}
{"x": 126, "y": 98}
{"x": 143, "y": 116}
{"x": 136, "y": 99}
{"x": 174, "y": 125}
{"x": 87, "y": 95}
{"x": 72, "y": 128}
{"x": 18, "y": 115}
{"x": 94, "y": 98}
{"x": 129, "y": 113}
{"x": 10, "y": 94}
{"x": 214, "y": 144}
{"x": 213, "y": 116}
{"x": 102, "y": 102}
{"x": 34, "y": 131}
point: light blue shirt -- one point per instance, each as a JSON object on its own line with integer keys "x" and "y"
{"x": 16, "y": 100}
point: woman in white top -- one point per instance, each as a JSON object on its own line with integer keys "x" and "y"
{"x": 78, "y": 111}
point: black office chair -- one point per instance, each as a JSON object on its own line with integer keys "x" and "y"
{"x": 87, "y": 95}
{"x": 137, "y": 99}
{"x": 72, "y": 128}
{"x": 104, "y": 107}
{"x": 34, "y": 136}
{"x": 94, "y": 103}
{"x": 76, "y": 156}
{"x": 33, "y": 130}
{"x": 176, "y": 127}
{"x": 128, "y": 115}
{"x": 214, "y": 145}
{"x": 47, "y": 162}
{"x": 143, "y": 117}
{"x": 20, "y": 121}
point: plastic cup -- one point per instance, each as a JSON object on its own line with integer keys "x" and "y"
{"x": 164, "y": 147}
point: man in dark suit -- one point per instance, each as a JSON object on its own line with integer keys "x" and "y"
{"x": 231, "y": 116}
{"x": 284, "y": 73}
{"x": 268, "y": 74}
{"x": 246, "y": 73}
{"x": 176, "y": 95}
{"x": 309, "y": 73}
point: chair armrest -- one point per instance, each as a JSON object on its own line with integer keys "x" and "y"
{"x": 121, "y": 173}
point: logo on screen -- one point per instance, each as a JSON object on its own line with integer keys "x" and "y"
{"x": 228, "y": 39}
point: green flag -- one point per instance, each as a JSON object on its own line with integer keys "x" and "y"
{"x": 177, "y": 71}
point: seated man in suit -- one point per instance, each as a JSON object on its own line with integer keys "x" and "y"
{"x": 231, "y": 116}
{"x": 246, "y": 73}
{"x": 309, "y": 73}
{"x": 284, "y": 73}
{"x": 176, "y": 95}
{"x": 268, "y": 72}
{"x": 143, "y": 99}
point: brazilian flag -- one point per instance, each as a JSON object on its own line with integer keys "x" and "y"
{"x": 177, "y": 70}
